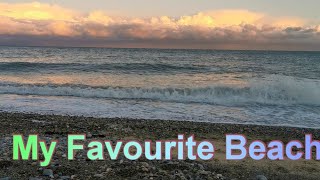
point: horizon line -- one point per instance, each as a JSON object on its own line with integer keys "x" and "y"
{"x": 155, "y": 48}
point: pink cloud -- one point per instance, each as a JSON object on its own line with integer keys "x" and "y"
{"x": 235, "y": 29}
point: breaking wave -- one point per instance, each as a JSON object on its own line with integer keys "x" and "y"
{"x": 272, "y": 90}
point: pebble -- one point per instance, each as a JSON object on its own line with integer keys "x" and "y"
{"x": 48, "y": 172}
{"x": 205, "y": 173}
{"x": 98, "y": 175}
{"x": 64, "y": 177}
{"x": 144, "y": 169}
{"x": 219, "y": 176}
{"x": 123, "y": 168}
{"x": 5, "y": 178}
{"x": 127, "y": 130}
{"x": 201, "y": 166}
{"x": 109, "y": 170}
{"x": 89, "y": 135}
{"x": 162, "y": 172}
{"x": 261, "y": 177}
{"x": 145, "y": 164}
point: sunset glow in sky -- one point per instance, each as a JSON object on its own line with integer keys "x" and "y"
{"x": 207, "y": 24}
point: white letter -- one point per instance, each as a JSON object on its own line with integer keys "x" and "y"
{"x": 276, "y": 151}
{"x": 190, "y": 144}
{"x": 201, "y": 150}
{"x": 126, "y": 150}
{"x": 240, "y": 146}
{"x": 289, "y": 150}
{"x": 261, "y": 150}
{"x": 168, "y": 148}
{"x": 157, "y": 155}
{"x": 180, "y": 146}
{"x": 308, "y": 147}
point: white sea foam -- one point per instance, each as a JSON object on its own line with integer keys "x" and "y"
{"x": 270, "y": 90}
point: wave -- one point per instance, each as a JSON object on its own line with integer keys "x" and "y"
{"x": 274, "y": 90}
{"x": 87, "y": 67}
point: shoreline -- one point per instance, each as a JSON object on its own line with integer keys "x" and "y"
{"x": 158, "y": 120}
{"x": 57, "y": 127}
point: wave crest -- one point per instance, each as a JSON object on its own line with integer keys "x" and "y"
{"x": 272, "y": 90}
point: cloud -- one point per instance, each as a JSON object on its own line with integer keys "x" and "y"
{"x": 47, "y": 24}
{"x": 221, "y": 18}
{"x": 36, "y": 11}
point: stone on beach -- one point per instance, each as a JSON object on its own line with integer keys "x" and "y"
{"x": 48, "y": 172}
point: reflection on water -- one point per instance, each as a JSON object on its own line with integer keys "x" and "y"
{"x": 125, "y": 80}
{"x": 258, "y": 87}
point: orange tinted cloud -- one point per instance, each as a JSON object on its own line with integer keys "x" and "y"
{"x": 221, "y": 18}
{"x": 211, "y": 29}
{"x": 36, "y": 11}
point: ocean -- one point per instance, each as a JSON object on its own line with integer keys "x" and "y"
{"x": 241, "y": 87}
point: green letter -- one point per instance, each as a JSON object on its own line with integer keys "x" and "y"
{"x": 72, "y": 146}
{"x": 19, "y": 147}
{"x": 47, "y": 153}
{"x": 113, "y": 153}
{"x": 96, "y": 151}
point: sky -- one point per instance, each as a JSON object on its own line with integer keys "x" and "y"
{"x": 203, "y": 24}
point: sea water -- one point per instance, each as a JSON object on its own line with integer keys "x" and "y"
{"x": 245, "y": 87}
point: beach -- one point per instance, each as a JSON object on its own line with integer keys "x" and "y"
{"x": 184, "y": 90}
{"x": 57, "y": 127}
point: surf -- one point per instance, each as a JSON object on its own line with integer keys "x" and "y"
{"x": 271, "y": 90}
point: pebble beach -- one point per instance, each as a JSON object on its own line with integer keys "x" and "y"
{"x": 54, "y": 127}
